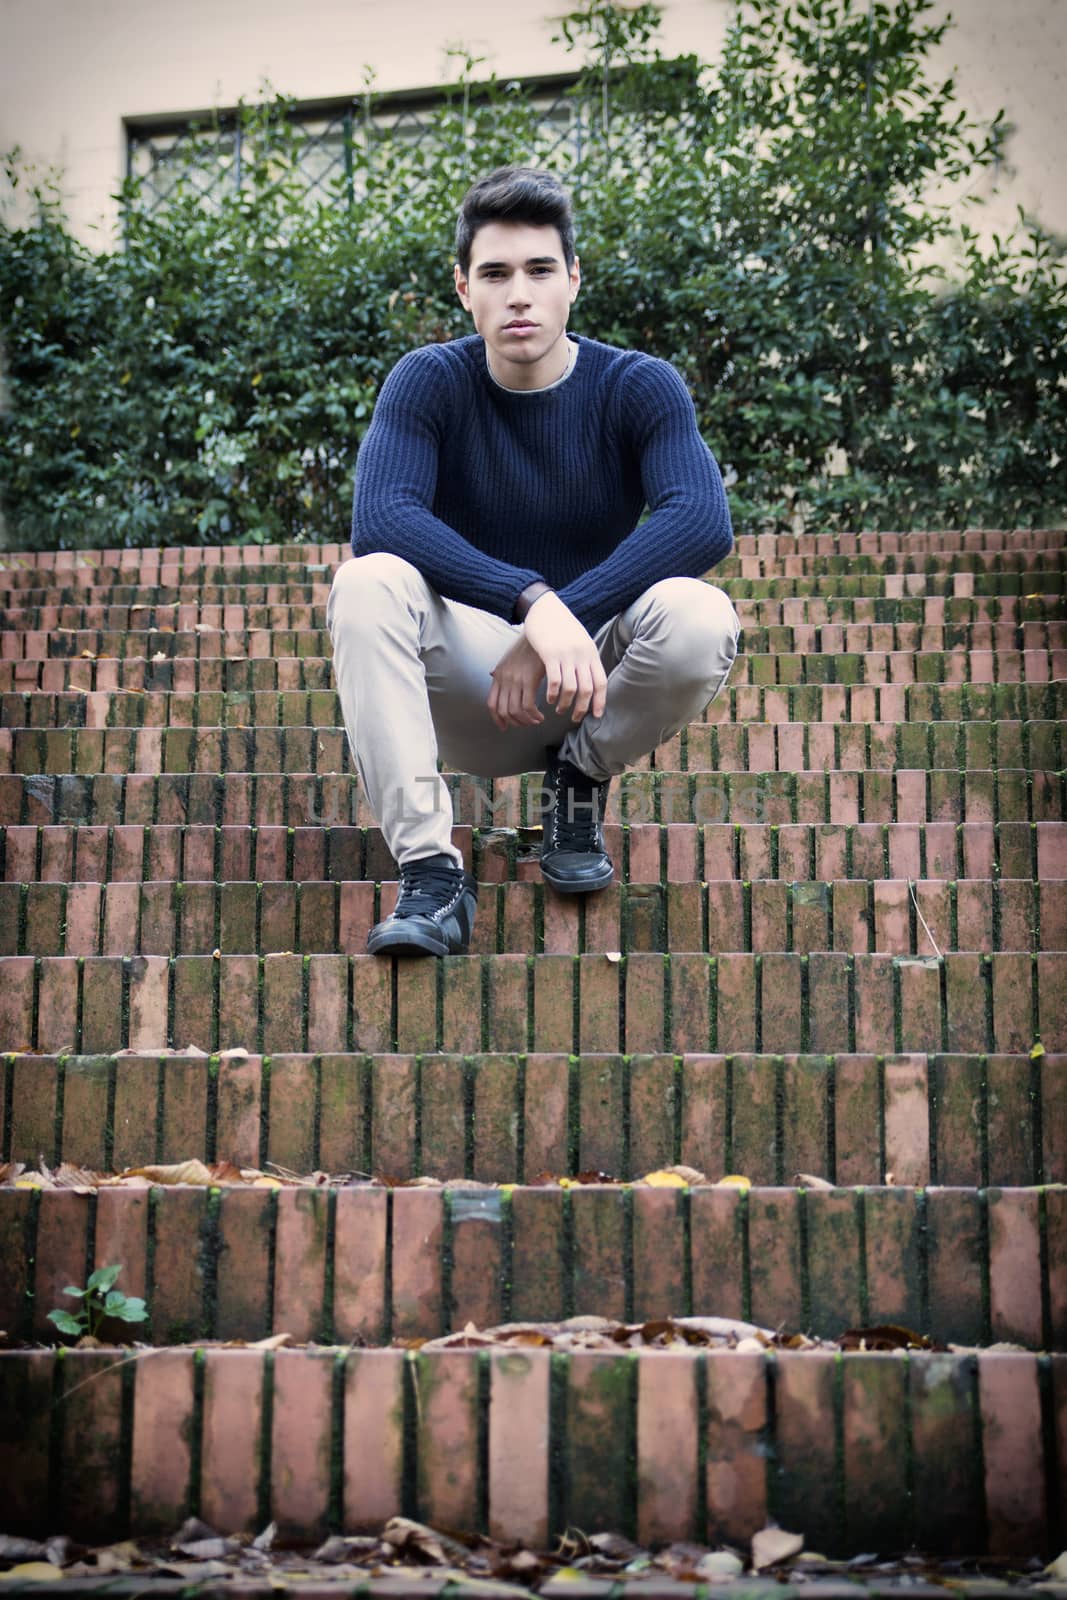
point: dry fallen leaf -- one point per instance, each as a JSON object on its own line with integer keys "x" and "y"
{"x": 194, "y": 1172}
{"x": 664, "y": 1180}
{"x": 734, "y": 1180}
{"x": 772, "y": 1545}
{"x": 32, "y": 1572}
{"x": 806, "y": 1180}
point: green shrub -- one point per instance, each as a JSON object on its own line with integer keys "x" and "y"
{"x": 763, "y": 222}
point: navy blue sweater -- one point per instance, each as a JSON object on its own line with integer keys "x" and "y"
{"x": 486, "y": 489}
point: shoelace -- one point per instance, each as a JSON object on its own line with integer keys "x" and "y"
{"x": 579, "y": 810}
{"x": 424, "y": 890}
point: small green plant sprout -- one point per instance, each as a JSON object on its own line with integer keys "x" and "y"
{"x": 99, "y": 1300}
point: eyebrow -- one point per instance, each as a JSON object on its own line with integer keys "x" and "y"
{"x": 533, "y": 261}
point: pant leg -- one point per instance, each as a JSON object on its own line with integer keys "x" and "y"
{"x": 413, "y": 673}
{"x": 667, "y": 656}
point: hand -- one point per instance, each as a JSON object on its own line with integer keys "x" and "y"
{"x": 572, "y": 666}
{"x": 516, "y": 679}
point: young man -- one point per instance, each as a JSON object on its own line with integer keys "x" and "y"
{"x": 506, "y": 610}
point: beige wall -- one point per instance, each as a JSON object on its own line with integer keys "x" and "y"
{"x": 70, "y": 70}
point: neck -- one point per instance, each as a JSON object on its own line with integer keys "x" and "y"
{"x": 541, "y": 375}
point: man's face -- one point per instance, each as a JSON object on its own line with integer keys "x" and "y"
{"x": 520, "y": 293}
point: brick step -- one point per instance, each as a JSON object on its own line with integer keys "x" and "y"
{"x": 191, "y": 558}
{"x": 301, "y": 583}
{"x": 963, "y": 647}
{"x": 896, "y": 916}
{"x": 278, "y": 581}
{"x": 798, "y": 624}
{"x": 712, "y": 752}
{"x": 752, "y": 704}
{"x": 643, "y": 852}
{"x": 865, "y": 1452}
{"x": 363, "y": 1265}
{"x": 1004, "y": 671}
{"x": 586, "y": 1003}
{"x": 302, "y": 799}
{"x": 913, "y": 1119}
{"x": 1023, "y": 597}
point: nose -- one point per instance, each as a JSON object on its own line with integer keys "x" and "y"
{"x": 518, "y": 292}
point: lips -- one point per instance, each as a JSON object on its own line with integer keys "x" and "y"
{"x": 519, "y": 326}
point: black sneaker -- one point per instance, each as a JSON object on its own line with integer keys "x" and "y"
{"x": 434, "y": 913}
{"x": 573, "y": 858}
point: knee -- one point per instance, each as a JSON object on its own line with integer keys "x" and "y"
{"x": 365, "y": 588}
{"x": 696, "y": 626}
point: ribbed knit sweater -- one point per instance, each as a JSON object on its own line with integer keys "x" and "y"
{"x": 486, "y": 490}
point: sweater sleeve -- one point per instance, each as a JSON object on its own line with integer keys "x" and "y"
{"x": 688, "y": 529}
{"x": 396, "y": 480}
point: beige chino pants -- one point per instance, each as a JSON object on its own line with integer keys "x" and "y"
{"x": 413, "y": 673}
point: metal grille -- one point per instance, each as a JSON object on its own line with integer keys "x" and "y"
{"x": 335, "y": 141}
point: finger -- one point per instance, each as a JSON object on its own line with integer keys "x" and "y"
{"x": 600, "y": 690}
{"x": 584, "y": 694}
{"x": 553, "y": 683}
{"x": 568, "y": 684}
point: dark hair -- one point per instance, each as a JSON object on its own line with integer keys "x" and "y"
{"x": 515, "y": 194}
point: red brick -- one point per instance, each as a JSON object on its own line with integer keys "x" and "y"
{"x": 418, "y": 1233}
{"x": 658, "y": 1253}
{"x": 874, "y": 1005}
{"x": 446, "y": 1384}
{"x": 237, "y": 1126}
{"x": 876, "y": 1452}
{"x": 726, "y": 918}
{"x": 780, "y": 1003}
{"x": 735, "y": 1448}
{"x": 477, "y": 1227}
{"x": 851, "y": 917}
{"x": 653, "y": 1091}
{"x": 519, "y": 1430}
{"x": 393, "y": 1084}
{"x": 245, "y": 1228}
{"x": 374, "y": 1438}
{"x": 1014, "y": 1473}
{"x": 716, "y": 1229}
{"x": 121, "y": 918}
{"x": 238, "y": 1003}
{"x": 1052, "y": 1006}
{"x": 1010, "y": 1120}
{"x": 774, "y": 1256}
{"x": 703, "y": 1129}
{"x": 545, "y": 1115}
{"x": 599, "y": 1004}
{"x": 291, "y": 1133}
{"x": 57, "y": 1005}
{"x": 690, "y": 976}
{"x": 496, "y": 1120}
{"x": 965, "y": 1002}
{"x": 907, "y": 1121}
{"x": 371, "y": 1003}
{"x": 507, "y": 1004}
{"x": 416, "y": 1005}
{"x": 161, "y": 1465}
{"x": 601, "y": 1114}
{"x": 956, "y": 1249}
{"x": 666, "y": 1445}
{"x": 359, "y": 1309}
{"x": 300, "y": 1441}
{"x": 600, "y": 1391}
{"x": 176, "y": 1298}
{"x": 1013, "y": 1027}
{"x": 538, "y": 1291}
{"x": 300, "y": 1262}
{"x": 805, "y": 1445}
{"x": 892, "y": 1232}
{"x": 735, "y": 986}
{"x": 26, "y": 1387}
{"x": 947, "y": 1490}
{"x": 443, "y": 1116}
{"x": 461, "y": 980}
{"x": 232, "y": 1442}
{"x": 599, "y": 1225}
{"x": 327, "y": 1014}
{"x": 833, "y": 1260}
{"x": 149, "y": 977}
{"x": 90, "y": 1423}
{"x": 553, "y": 981}
{"x": 60, "y": 1254}
{"x": 755, "y": 1118}
{"x": 85, "y": 1097}
{"x": 645, "y": 1019}
{"x": 1014, "y": 1266}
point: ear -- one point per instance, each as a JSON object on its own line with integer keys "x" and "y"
{"x": 462, "y": 288}
{"x": 576, "y": 279}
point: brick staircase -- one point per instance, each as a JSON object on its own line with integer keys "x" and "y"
{"x": 837, "y": 947}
